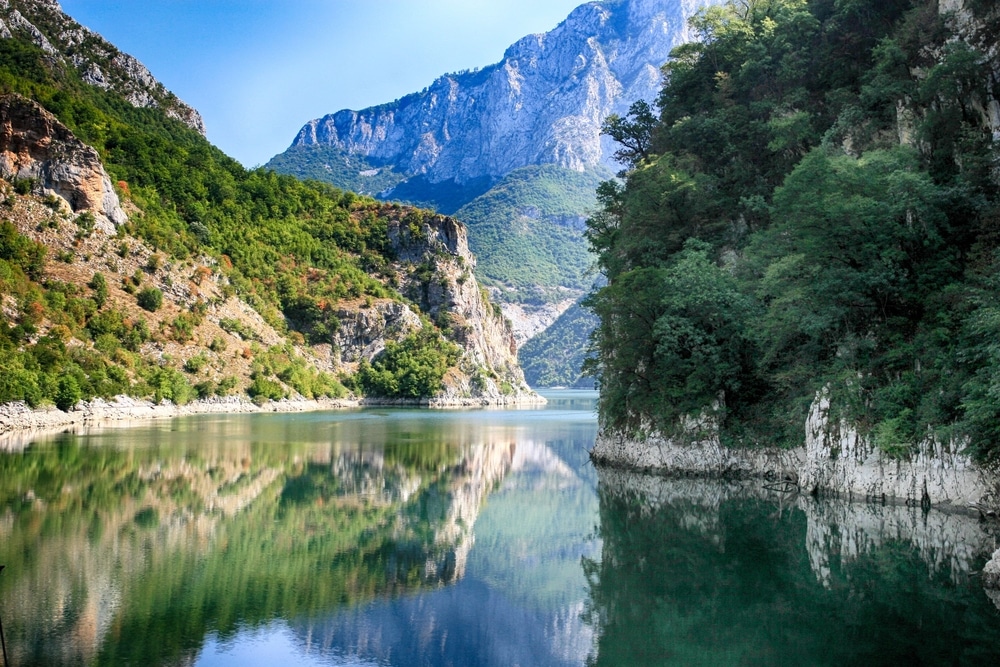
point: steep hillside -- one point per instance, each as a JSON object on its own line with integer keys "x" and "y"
{"x": 812, "y": 222}
{"x": 97, "y": 62}
{"x": 135, "y": 258}
{"x": 555, "y": 357}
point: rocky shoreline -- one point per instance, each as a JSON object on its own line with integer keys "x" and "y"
{"x": 836, "y": 461}
{"x": 20, "y": 423}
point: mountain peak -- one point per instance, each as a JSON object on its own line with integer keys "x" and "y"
{"x": 543, "y": 103}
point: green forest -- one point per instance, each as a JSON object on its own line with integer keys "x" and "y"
{"x": 811, "y": 206}
{"x": 291, "y": 249}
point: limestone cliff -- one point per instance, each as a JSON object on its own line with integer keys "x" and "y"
{"x": 433, "y": 267}
{"x": 836, "y": 460}
{"x": 542, "y": 104}
{"x": 98, "y": 62}
{"x": 36, "y": 148}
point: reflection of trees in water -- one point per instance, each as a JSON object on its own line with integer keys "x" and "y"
{"x": 700, "y": 572}
{"x": 135, "y": 554}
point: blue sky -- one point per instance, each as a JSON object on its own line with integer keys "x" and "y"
{"x": 257, "y": 70}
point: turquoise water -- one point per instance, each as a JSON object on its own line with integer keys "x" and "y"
{"x": 454, "y": 537}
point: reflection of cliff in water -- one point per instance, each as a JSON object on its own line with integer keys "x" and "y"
{"x": 523, "y": 600}
{"x": 745, "y": 576}
{"x": 119, "y": 553}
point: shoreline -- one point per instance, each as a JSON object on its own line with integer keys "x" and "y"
{"x": 835, "y": 461}
{"x": 946, "y": 482}
{"x": 18, "y": 421}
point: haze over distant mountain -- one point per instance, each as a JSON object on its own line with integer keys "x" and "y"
{"x": 543, "y": 103}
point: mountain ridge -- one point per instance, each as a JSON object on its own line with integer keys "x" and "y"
{"x": 98, "y": 62}
{"x": 543, "y": 103}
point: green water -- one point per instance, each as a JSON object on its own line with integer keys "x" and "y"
{"x": 462, "y": 537}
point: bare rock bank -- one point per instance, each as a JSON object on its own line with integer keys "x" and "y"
{"x": 835, "y": 461}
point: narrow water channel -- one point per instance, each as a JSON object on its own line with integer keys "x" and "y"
{"x": 456, "y": 537}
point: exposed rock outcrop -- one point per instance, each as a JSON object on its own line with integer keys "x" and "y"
{"x": 979, "y": 29}
{"x": 98, "y": 62}
{"x": 436, "y": 270}
{"x": 35, "y": 146}
{"x": 542, "y": 104}
{"x": 836, "y": 461}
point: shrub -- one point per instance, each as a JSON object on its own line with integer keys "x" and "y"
{"x": 150, "y": 298}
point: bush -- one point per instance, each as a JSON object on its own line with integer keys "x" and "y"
{"x": 411, "y": 368}
{"x": 264, "y": 389}
{"x": 150, "y": 298}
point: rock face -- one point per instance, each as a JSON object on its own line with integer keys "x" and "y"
{"x": 98, "y": 62}
{"x": 836, "y": 460}
{"x": 434, "y": 269}
{"x": 978, "y": 28}
{"x": 35, "y": 145}
{"x": 542, "y": 104}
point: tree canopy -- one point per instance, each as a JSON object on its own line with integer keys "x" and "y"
{"x": 812, "y": 209}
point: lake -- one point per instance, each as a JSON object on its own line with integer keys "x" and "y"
{"x": 455, "y": 537}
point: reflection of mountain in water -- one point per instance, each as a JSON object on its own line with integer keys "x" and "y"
{"x": 740, "y": 576}
{"x": 531, "y": 613}
{"x": 469, "y": 623}
{"x": 135, "y": 554}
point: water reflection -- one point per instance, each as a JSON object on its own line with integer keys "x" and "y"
{"x": 697, "y": 572}
{"x": 187, "y": 541}
{"x": 415, "y": 537}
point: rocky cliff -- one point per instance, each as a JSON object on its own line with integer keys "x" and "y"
{"x": 542, "y": 104}
{"x": 37, "y": 149}
{"x": 836, "y": 461}
{"x": 96, "y": 61}
{"x": 434, "y": 269}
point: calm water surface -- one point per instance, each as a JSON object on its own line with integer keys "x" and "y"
{"x": 474, "y": 537}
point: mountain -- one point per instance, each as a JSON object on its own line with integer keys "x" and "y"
{"x": 96, "y": 61}
{"x": 510, "y": 148}
{"x": 543, "y": 103}
{"x": 136, "y": 259}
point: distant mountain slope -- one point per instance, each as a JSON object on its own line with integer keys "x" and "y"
{"x": 528, "y": 229}
{"x": 542, "y": 104}
{"x": 554, "y": 357}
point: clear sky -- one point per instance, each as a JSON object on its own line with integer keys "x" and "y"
{"x": 257, "y": 70}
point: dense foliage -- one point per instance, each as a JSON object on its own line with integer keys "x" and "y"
{"x": 412, "y": 368}
{"x": 332, "y": 165}
{"x": 811, "y": 209}
{"x": 291, "y": 249}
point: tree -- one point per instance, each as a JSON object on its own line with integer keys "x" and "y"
{"x": 69, "y": 393}
{"x": 671, "y": 341}
{"x": 100, "y": 286}
{"x": 634, "y": 132}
